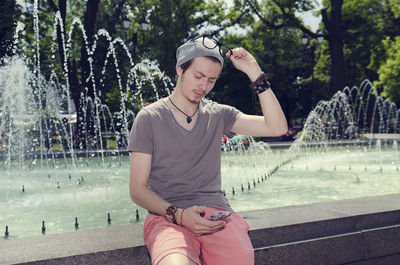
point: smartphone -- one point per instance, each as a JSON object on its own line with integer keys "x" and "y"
{"x": 219, "y": 215}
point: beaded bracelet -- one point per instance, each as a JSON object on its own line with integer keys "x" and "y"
{"x": 261, "y": 84}
{"x": 183, "y": 209}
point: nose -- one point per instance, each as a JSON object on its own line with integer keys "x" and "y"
{"x": 204, "y": 85}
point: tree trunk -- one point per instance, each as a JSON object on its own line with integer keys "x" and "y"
{"x": 86, "y": 84}
{"x": 335, "y": 38}
{"x": 85, "y": 117}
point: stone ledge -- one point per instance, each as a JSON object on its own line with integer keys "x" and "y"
{"x": 359, "y": 246}
{"x": 307, "y": 229}
{"x": 72, "y": 245}
{"x": 126, "y": 256}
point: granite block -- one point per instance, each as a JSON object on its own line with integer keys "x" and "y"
{"x": 328, "y": 250}
{"x": 382, "y": 241}
{"x": 127, "y": 256}
{"x": 357, "y": 247}
{"x": 386, "y": 260}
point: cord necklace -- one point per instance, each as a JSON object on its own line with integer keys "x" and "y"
{"x": 188, "y": 118}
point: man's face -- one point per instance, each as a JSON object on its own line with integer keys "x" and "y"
{"x": 199, "y": 78}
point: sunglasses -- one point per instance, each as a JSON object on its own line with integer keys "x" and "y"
{"x": 211, "y": 43}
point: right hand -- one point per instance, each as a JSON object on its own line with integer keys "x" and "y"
{"x": 194, "y": 222}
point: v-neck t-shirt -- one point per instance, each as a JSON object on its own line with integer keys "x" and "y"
{"x": 186, "y": 164}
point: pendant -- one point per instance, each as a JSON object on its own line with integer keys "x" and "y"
{"x": 188, "y": 120}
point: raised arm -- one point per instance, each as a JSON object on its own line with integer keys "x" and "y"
{"x": 273, "y": 121}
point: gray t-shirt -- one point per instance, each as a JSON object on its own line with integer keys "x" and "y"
{"x": 186, "y": 165}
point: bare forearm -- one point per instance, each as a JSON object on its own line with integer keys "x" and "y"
{"x": 149, "y": 200}
{"x": 272, "y": 111}
{"x": 274, "y": 117}
{"x": 274, "y": 120}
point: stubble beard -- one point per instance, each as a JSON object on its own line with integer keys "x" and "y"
{"x": 194, "y": 101}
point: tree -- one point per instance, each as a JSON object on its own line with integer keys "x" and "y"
{"x": 78, "y": 72}
{"x": 371, "y": 28}
{"x": 389, "y": 79}
{"x": 8, "y": 21}
{"x": 175, "y": 21}
{"x": 282, "y": 14}
{"x": 333, "y": 25}
{"x": 366, "y": 23}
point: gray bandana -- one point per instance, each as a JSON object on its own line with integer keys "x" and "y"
{"x": 192, "y": 49}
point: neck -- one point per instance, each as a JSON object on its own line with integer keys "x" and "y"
{"x": 189, "y": 117}
{"x": 182, "y": 102}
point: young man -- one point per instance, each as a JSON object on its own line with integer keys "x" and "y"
{"x": 175, "y": 159}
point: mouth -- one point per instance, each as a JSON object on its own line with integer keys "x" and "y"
{"x": 198, "y": 94}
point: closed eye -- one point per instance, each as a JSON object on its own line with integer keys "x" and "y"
{"x": 199, "y": 75}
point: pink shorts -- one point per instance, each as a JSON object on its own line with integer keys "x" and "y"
{"x": 230, "y": 245}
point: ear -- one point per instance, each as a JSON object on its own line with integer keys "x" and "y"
{"x": 179, "y": 71}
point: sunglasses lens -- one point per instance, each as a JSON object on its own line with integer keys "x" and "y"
{"x": 209, "y": 43}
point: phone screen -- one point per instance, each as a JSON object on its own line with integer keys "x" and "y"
{"x": 219, "y": 215}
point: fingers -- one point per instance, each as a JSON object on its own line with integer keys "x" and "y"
{"x": 245, "y": 62}
{"x": 209, "y": 227}
{"x": 199, "y": 209}
{"x": 238, "y": 53}
{"x": 199, "y": 225}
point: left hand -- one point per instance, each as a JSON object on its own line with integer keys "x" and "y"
{"x": 194, "y": 222}
{"x": 245, "y": 62}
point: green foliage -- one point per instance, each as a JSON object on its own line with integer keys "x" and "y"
{"x": 389, "y": 78}
{"x": 366, "y": 23}
{"x": 362, "y": 34}
{"x": 395, "y": 7}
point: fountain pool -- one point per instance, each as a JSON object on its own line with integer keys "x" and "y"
{"x": 58, "y": 194}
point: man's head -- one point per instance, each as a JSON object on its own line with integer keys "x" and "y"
{"x": 198, "y": 67}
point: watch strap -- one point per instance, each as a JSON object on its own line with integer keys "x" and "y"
{"x": 170, "y": 213}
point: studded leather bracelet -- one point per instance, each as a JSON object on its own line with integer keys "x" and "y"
{"x": 261, "y": 84}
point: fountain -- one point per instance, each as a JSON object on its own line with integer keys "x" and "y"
{"x": 51, "y": 185}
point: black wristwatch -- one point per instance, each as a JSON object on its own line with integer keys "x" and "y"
{"x": 170, "y": 213}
